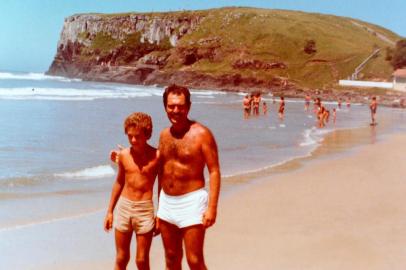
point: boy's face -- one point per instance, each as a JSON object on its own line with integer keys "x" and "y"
{"x": 136, "y": 136}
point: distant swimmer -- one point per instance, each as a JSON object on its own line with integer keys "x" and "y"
{"x": 246, "y": 106}
{"x": 307, "y": 102}
{"x": 281, "y": 111}
{"x": 256, "y": 101}
{"x": 348, "y": 102}
{"x": 321, "y": 116}
{"x": 317, "y": 105}
{"x": 327, "y": 116}
{"x": 33, "y": 90}
{"x": 373, "y": 106}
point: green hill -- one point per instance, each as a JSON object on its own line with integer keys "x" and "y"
{"x": 245, "y": 45}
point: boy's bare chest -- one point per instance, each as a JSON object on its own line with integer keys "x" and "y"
{"x": 140, "y": 166}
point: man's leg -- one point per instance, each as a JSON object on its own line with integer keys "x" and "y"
{"x": 143, "y": 247}
{"x": 172, "y": 240}
{"x": 123, "y": 240}
{"x": 194, "y": 240}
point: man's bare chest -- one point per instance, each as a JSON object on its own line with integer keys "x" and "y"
{"x": 181, "y": 149}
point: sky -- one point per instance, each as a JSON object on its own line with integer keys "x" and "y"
{"x": 30, "y": 29}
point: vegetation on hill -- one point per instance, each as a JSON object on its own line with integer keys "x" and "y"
{"x": 281, "y": 36}
{"x": 259, "y": 45}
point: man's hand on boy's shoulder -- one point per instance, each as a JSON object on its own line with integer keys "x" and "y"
{"x": 114, "y": 154}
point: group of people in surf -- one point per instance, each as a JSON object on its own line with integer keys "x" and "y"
{"x": 252, "y": 102}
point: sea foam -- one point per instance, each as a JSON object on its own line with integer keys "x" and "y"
{"x": 29, "y": 93}
{"x": 88, "y": 173}
{"x": 33, "y": 76}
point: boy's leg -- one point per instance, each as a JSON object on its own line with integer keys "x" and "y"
{"x": 172, "y": 240}
{"x": 143, "y": 247}
{"x": 194, "y": 240}
{"x": 123, "y": 240}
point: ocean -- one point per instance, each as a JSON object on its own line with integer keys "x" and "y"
{"x": 56, "y": 135}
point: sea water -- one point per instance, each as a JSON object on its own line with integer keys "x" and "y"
{"x": 56, "y": 135}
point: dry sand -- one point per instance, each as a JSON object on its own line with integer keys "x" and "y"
{"x": 347, "y": 212}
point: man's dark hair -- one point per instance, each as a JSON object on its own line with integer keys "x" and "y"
{"x": 177, "y": 90}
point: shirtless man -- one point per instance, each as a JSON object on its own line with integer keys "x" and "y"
{"x": 307, "y": 102}
{"x": 339, "y": 103}
{"x": 246, "y": 103}
{"x": 373, "y": 106}
{"x": 264, "y": 108}
{"x": 281, "y": 110}
{"x": 348, "y": 102}
{"x": 185, "y": 208}
{"x": 255, "y": 103}
{"x": 131, "y": 196}
{"x": 321, "y": 116}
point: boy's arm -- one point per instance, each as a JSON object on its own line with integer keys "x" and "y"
{"x": 115, "y": 194}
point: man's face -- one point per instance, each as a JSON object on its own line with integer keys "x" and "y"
{"x": 177, "y": 108}
{"x": 136, "y": 136}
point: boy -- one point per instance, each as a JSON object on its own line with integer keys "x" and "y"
{"x": 131, "y": 194}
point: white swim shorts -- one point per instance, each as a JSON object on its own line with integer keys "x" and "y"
{"x": 183, "y": 210}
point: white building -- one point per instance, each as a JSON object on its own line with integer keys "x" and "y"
{"x": 399, "y": 80}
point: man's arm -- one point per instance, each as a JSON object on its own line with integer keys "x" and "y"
{"x": 115, "y": 194}
{"x": 210, "y": 152}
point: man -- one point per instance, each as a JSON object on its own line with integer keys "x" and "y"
{"x": 255, "y": 102}
{"x": 281, "y": 110}
{"x": 131, "y": 196}
{"x": 247, "y": 106}
{"x": 373, "y": 106}
{"x": 307, "y": 102}
{"x": 185, "y": 209}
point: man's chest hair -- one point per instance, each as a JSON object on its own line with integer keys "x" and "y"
{"x": 180, "y": 148}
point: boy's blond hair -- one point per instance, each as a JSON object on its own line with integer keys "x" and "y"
{"x": 139, "y": 120}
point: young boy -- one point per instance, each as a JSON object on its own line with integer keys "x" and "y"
{"x": 131, "y": 195}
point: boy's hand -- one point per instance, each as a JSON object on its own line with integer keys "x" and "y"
{"x": 114, "y": 154}
{"x": 157, "y": 231}
{"x": 108, "y": 222}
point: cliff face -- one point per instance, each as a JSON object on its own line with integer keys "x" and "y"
{"x": 230, "y": 48}
{"x": 124, "y": 48}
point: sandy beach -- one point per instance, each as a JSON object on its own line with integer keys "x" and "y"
{"x": 343, "y": 211}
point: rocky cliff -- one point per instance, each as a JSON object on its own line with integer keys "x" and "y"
{"x": 229, "y": 48}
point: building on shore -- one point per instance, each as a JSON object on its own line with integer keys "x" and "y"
{"x": 399, "y": 80}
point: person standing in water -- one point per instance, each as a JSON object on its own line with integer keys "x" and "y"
{"x": 373, "y": 106}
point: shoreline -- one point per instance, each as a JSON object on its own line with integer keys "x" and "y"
{"x": 339, "y": 142}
